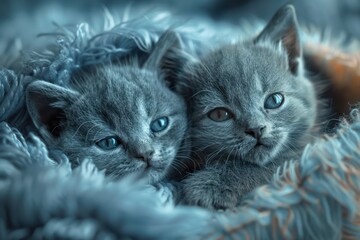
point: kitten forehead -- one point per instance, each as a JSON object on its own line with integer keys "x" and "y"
{"x": 244, "y": 66}
{"x": 241, "y": 77}
{"x": 126, "y": 98}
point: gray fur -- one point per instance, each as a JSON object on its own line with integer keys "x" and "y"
{"x": 115, "y": 99}
{"x": 240, "y": 77}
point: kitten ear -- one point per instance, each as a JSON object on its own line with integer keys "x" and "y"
{"x": 45, "y": 103}
{"x": 166, "y": 58}
{"x": 167, "y": 41}
{"x": 283, "y": 27}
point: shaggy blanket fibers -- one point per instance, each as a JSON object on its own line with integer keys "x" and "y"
{"x": 41, "y": 197}
{"x": 316, "y": 197}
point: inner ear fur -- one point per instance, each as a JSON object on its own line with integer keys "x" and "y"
{"x": 46, "y": 103}
{"x": 169, "y": 60}
{"x": 283, "y": 28}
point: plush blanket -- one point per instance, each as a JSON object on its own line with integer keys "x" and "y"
{"x": 41, "y": 197}
{"x": 316, "y": 197}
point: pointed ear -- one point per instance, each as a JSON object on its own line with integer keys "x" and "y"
{"x": 283, "y": 28}
{"x": 46, "y": 103}
{"x": 167, "y": 58}
{"x": 168, "y": 41}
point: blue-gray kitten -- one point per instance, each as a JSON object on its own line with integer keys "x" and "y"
{"x": 122, "y": 116}
{"x": 252, "y": 108}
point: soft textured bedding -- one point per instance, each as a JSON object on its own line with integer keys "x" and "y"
{"x": 316, "y": 197}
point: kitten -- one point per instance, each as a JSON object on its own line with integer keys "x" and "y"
{"x": 122, "y": 116}
{"x": 252, "y": 108}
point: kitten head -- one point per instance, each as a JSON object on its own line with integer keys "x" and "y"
{"x": 251, "y": 100}
{"x": 125, "y": 118}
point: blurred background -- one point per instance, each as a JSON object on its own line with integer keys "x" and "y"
{"x": 23, "y": 18}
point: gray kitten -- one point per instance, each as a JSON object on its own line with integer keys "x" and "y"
{"x": 252, "y": 108}
{"x": 122, "y": 116}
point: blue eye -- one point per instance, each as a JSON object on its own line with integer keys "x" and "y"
{"x": 159, "y": 124}
{"x": 108, "y": 143}
{"x": 274, "y": 101}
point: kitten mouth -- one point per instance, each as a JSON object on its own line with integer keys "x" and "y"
{"x": 258, "y": 153}
{"x": 266, "y": 143}
{"x": 151, "y": 167}
{"x": 260, "y": 144}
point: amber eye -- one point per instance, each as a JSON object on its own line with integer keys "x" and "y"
{"x": 220, "y": 114}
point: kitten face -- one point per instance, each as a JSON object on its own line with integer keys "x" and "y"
{"x": 124, "y": 118}
{"x": 247, "y": 104}
{"x": 138, "y": 116}
{"x": 251, "y": 101}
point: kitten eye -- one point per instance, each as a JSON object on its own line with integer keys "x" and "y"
{"x": 159, "y": 124}
{"x": 220, "y": 114}
{"x": 274, "y": 101}
{"x": 108, "y": 143}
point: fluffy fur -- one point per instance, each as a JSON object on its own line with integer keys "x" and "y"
{"x": 247, "y": 141}
{"x": 119, "y": 102}
{"x": 314, "y": 198}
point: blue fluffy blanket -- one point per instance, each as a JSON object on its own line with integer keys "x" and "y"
{"x": 41, "y": 197}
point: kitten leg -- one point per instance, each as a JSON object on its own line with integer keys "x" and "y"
{"x": 210, "y": 188}
{"x": 222, "y": 187}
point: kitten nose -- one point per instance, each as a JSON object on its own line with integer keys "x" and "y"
{"x": 145, "y": 156}
{"x": 255, "y": 132}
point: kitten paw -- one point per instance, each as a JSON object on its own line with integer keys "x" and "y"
{"x": 214, "y": 199}
{"x": 210, "y": 193}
